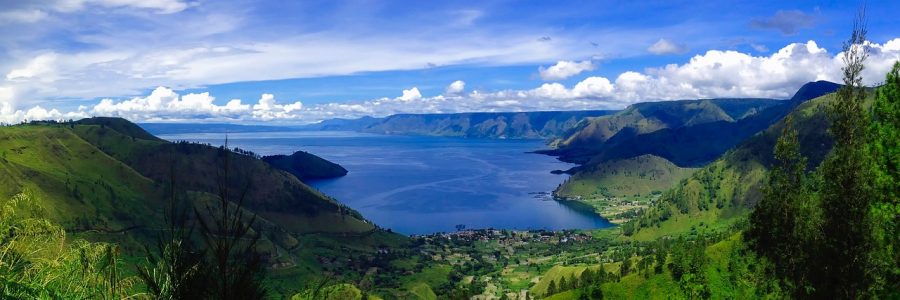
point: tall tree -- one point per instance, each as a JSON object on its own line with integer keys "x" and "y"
{"x": 227, "y": 232}
{"x": 846, "y": 192}
{"x": 784, "y": 226}
{"x": 884, "y": 146}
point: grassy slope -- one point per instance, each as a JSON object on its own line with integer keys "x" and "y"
{"x": 72, "y": 177}
{"x": 688, "y": 133}
{"x": 729, "y": 187}
{"x": 728, "y": 270}
{"x": 618, "y": 189}
{"x": 83, "y": 176}
{"x": 720, "y": 265}
{"x": 89, "y": 193}
{"x": 623, "y": 178}
{"x": 652, "y": 116}
{"x": 555, "y": 274}
{"x": 274, "y": 194}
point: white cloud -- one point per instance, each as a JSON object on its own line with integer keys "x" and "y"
{"x": 411, "y": 94}
{"x": 593, "y": 87}
{"x": 41, "y": 66}
{"x": 565, "y": 69}
{"x": 160, "y": 6}
{"x": 712, "y": 74}
{"x": 269, "y": 109}
{"x": 22, "y": 16}
{"x": 455, "y": 88}
{"x": 664, "y": 46}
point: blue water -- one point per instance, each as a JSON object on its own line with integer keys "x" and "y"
{"x": 420, "y": 185}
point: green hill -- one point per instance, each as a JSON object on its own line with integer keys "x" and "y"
{"x": 79, "y": 186}
{"x": 642, "y": 175}
{"x": 647, "y": 117}
{"x": 104, "y": 179}
{"x": 729, "y": 186}
{"x": 617, "y": 189}
{"x": 274, "y": 194}
{"x": 689, "y": 133}
{"x": 306, "y": 166}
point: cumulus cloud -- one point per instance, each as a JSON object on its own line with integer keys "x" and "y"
{"x": 712, "y": 74}
{"x": 788, "y": 22}
{"x": 664, "y": 46}
{"x": 411, "y": 94}
{"x": 164, "y": 103}
{"x": 269, "y": 109}
{"x": 565, "y": 69}
{"x": 455, "y": 87}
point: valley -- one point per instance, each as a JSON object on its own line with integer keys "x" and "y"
{"x": 424, "y": 217}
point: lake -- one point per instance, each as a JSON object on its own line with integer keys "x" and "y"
{"x": 421, "y": 185}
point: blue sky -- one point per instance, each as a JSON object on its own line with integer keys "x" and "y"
{"x": 303, "y": 61}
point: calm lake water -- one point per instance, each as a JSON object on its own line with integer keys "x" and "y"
{"x": 420, "y": 185}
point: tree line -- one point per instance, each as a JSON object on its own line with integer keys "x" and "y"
{"x": 832, "y": 232}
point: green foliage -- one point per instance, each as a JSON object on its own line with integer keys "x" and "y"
{"x": 621, "y": 178}
{"x": 688, "y": 269}
{"x": 175, "y": 270}
{"x": 233, "y": 262}
{"x": 36, "y": 261}
{"x": 552, "y": 288}
{"x": 784, "y": 226}
{"x": 833, "y": 234}
{"x": 884, "y": 212}
{"x": 846, "y": 191}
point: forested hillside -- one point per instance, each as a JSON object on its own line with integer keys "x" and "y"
{"x": 484, "y": 125}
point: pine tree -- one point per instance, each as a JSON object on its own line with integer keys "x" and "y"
{"x": 625, "y": 267}
{"x": 551, "y": 289}
{"x": 587, "y": 277}
{"x": 596, "y": 292}
{"x": 231, "y": 243}
{"x": 846, "y": 192}
{"x": 884, "y": 147}
{"x": 783, "y": 226}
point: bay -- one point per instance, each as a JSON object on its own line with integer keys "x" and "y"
{"x": 423, "y": 184}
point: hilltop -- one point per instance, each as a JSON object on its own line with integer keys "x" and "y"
{"x": 729, "y": 187}
{"x": 689, "y": 133}
{"x": 106, "y": 179}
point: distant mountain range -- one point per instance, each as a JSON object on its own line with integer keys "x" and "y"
{"x": 730, "y": 185}
{"x": 651, "y": 147}
{"x": 690, "y": 133}
{"x": 515, "y": 125}
{"x": 512, "y": 125}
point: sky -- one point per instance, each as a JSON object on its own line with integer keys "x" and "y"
{"x": 298, "y": 62}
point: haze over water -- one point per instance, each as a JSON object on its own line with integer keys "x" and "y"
{"x": 420, "y": 185}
